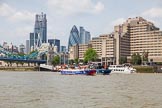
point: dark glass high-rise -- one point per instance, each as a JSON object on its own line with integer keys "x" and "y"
{"x": 40, "y": 28}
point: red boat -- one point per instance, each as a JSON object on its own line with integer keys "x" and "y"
{"x": 91, "y": 72}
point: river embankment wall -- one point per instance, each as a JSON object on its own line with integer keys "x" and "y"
{"x": 18, "y": 68}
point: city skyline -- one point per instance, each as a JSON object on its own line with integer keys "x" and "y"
{"x": 98, "y": 16}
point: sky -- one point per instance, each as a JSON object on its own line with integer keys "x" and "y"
{"x": 96, "y": 16}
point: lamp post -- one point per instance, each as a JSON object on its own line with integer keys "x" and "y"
{"x": 64, "y": 57}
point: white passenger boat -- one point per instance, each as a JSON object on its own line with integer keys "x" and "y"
{"x": 121, "y": 69}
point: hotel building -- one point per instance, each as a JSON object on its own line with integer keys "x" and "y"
{"x": 74, "y": 52}
{"x": 82, "y": 49}
{"x": 105, "y": 48}
{"x": 136, "y": 35}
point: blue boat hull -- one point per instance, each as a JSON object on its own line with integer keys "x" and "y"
{"x": 78, "y": 72}
{"x": 73, "y": 72}
{"x": 103, "y": 71}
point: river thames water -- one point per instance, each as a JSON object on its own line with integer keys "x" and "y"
{"x": 52, "y": 90}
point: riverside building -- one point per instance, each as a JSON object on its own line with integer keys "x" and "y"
{"x": 82, "y": 49}
{"x": 73, "y": 52}
{"x": 135, "y": 35}
{"x": 105, "y": 48}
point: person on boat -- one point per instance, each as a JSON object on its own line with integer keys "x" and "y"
{"x": 105, "y": 66}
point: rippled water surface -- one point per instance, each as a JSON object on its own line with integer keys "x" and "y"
{"x": 52, "y": 90}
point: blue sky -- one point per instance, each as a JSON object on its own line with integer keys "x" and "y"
{"x": 97, "y": 16}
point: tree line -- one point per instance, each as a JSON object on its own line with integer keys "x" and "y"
{"x": 91, "y": 55}
{"x": 136, "y": 58}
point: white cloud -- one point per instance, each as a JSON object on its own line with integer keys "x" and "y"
{"x": 66, "y": 7}
{"x": 21, "y": 33}
{"x": 6, "y": 10}
{"x": 110, "y": 26}
{"x": 21, "y": 23}
{"x": 153, "y": 12}
{"x": 118, "y": 21}
{"x": 14, "y": 15}
{"x": 153, "y": 15}
{"x": 17, "y": 35}
{"x": 22, "y": 16}
{"x": 99, "y": 7}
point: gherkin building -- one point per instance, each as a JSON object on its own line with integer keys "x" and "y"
{"x": 74, "y": 37}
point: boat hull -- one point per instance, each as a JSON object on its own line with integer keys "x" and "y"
{"x": 103, "y": 71}
{"x": 73, "y": 72}
{"x": 91, "y": 72}
{"x": 121, "y": 69}
{"x": 78, "y": 72}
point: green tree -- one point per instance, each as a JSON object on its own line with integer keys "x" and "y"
{"x": 123, "y": 60}
{"x": 136, "y": 59}
{"x": 90, "y": 55}
{"x": 17, "y": 63}
{"x": 34, "y": 51}
{"x": 22, "y": 63}
{"x": 56, "y": 60}
{"x": 7, "y": 62}
{"x": 145, "y": 56}
{"x": 76, "y": 61}
{"x": 21, "y": 54}
{"x": 71, "y": 61}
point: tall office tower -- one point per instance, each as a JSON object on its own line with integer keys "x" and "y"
{"x": 55, "y": 42}
{"x": 88, "y": 37}
{"x": 41, "y": 28}
{"x": 63, "y": 49}
{"x": 33, "y": 40}
{"x": 74, "y": 37}
{"x": 84, "y": 36}
{"x": 27, "y": 47}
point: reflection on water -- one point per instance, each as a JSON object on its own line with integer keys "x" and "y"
{"x": 52, "y": 90}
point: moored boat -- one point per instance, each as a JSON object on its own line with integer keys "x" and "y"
{"x": 103, "y": 71}
{"x": 78, "y": 72}
{"x": 121, "y": 69}
{"x": 73, "y": 72}
{"x": 91, "y": 72}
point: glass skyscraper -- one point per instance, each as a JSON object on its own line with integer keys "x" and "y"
{"x": 85, "y": 36}
{"x": 63, "y": 49}
{"x": 82, "y": 35}
{"x": 33, "y": 39}
{"x": 78, "y": 37}
{"x": 55, "y": 42}
{"x": 40, "y": 28}
{"x": 74, "y": 37}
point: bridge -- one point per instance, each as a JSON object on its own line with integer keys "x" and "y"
{"x": 37, "y": 56}
{"x": 23, "y": 60}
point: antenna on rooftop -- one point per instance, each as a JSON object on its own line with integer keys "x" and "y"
{"x": 54, "y": 40}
